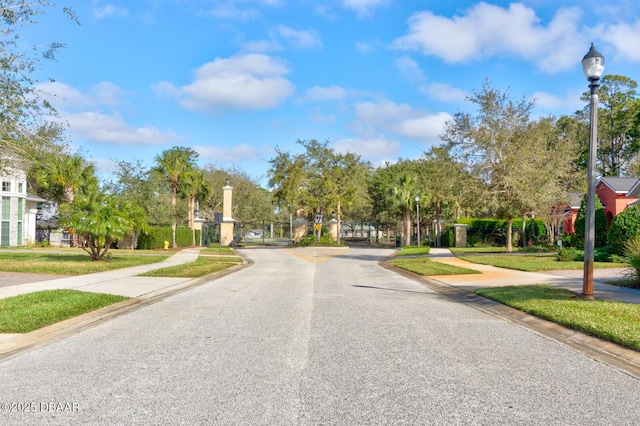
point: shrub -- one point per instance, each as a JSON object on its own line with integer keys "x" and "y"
{"x": 571, "y": 240}
{"x": 154, "y": 238}
{"x": 493, "y": 232}
{"x": 624, "y": 227}
{"x": 570, "y": 255}
{"x": 540, "y": 248}
{"x": 632, "y": 257}
{"x": 448, "y": 237}
{"x": 604, "y": 254}
{"x": 310, "y": 240}
{"x": 600, "y": 222}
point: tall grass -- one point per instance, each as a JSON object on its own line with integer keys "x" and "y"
{"x": 632, "y": 258}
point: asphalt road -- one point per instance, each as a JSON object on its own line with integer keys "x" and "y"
{"x": 312, "y": 337}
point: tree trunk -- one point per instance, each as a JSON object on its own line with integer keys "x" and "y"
{"x": 533, "y": 229}
{"x": 173, "y": 234}
{"x": 438, "y": 229}
{"x": 407, "y": 226}
{"x": 338, "y": 208}
{"x": 173, "y": 214}
{"x": 524, "y": 230}
{"x": 509, "y": 235}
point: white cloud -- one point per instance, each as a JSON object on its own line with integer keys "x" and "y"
{"x": 307, "y": 39}
{"x": 409, "y": 69}
{"x": 625, "y": 38}
{"x": 64, "y": 96}
{"x": 112, "y": 129}
{"x": 374, "y": 148}
{"x": 365, "y": 47}
{"x": 262, "y": 46}
{"x": 285, "y": 36}
{"x": 83, "y": 113}
{"x": 427, "y": 127}
{"x": 319, "y": 117}
{"x": 486, "y": 31}
{"x": 381, "y": 112}
{"x": 364, "y": 7}
{"x": 552, "y": 103}
{"x": 444, "y": 92}
{"x": 317, "y": 93}
{"x": 400, "y": 119}
{"x": 165, "y": 89}
{"x": 105, "y": 166}
{"x": 231, "y": 11}
{"x": 232, "y": 154}
{"x": 252, "y": 81}
{"x": 107, "y": 10}
{"x": 238, "y": 10}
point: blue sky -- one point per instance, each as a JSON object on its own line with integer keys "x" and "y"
{"x": 233, "y": 79}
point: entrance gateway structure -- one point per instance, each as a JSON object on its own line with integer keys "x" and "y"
{"x": 228, "y": 222}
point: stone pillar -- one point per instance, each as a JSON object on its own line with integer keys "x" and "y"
{"x": 228, "y": 222}
{"x": 197, "y": 225}
{"x": 300, "y": 229}
{"x": 333, "y": 229}
{"x": 461, "y": 234}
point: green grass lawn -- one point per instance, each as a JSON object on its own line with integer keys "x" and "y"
{"x": 73, "y": 262}
{"x": 426, "y": 267}
{"x": 218, "y": 250}
{"x": 204, "y": 265}
{"x": 462, "y": 250}
{"x": 28, "y": 312}
{"x": 614, "y": 321}
{"x": 413, "y": 251}
{"x": 533, "y": 262}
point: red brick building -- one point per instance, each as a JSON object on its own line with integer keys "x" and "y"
{"x": 614, "y": 192}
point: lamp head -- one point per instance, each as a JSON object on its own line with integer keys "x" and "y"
{"x": 593, "y": 64}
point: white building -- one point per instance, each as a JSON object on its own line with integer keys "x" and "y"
{"x": 17, "y": 209}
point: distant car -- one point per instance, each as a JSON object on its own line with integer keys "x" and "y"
{"x": 254, "y": 234}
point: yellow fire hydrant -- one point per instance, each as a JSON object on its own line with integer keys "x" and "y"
{"x": 166, "y": 245}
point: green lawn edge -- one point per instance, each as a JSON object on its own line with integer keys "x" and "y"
{"x": 203, "y": 266}
{"x": 533, "y": 262}
{"x": 32, "y": 311}
{"x": 617, "y": 322}
{"x": 426, "y": 267}
{"x": 73, "y": 262}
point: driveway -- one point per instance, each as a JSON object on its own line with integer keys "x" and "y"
{"x": 313, "y": 337}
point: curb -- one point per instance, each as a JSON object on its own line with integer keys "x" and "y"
{"x": 44, "y": 336}
{"x": 623, "y": 359}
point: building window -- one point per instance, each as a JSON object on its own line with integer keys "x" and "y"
{"x": 6, "y": 208}
{"x": 4, "y": 222}
{"x": 20, "y": 216}
{"x": 6, "y": 186}
{"x": 20, "y": 188}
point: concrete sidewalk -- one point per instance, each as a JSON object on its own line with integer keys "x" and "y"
{"x": 492, "y": 276}
{"x": 122, "y": 282}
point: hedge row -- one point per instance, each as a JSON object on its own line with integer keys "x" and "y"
{"x": 493, "y": 232}
{"x": 155, "y": 238}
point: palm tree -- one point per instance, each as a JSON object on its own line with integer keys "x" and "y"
{"x": 402, "y": 194}
{"x": 195, "y": 187}
{"x": 172, "y": 165}
{"x": 99, "y": 220}
{"x": 64, "y": 176}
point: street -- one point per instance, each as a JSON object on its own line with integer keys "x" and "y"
{"x": 312, "y": 337}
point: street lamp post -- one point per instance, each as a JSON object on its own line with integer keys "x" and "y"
{"x": 592, "y": 66}
{"x": 417, "y": 198}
